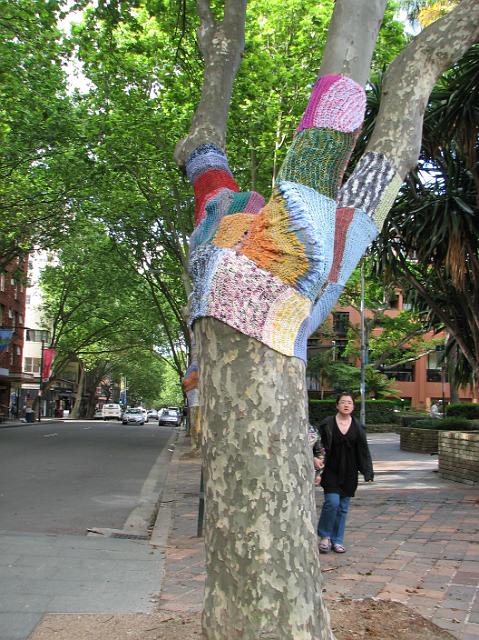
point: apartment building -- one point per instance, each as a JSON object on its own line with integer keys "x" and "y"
{"x": 12, "y": 319}
{"x": 418, "y": 383}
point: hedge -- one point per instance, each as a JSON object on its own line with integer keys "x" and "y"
{"x": 377, "y": 411}
{"x": 468, "y": 410}
{"x": 445, "y": 424}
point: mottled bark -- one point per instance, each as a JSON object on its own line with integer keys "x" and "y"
{"x": 221, "y": 44}
{"x": 349, "y": 49}
{"x": 263, "y": 578}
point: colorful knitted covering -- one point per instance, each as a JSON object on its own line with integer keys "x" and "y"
{"x": 190, "y": 384}
{"x": 275, "y": 271}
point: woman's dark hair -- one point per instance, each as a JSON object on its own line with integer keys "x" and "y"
{"x": 344, "y": 393}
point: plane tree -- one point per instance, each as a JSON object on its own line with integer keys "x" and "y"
{"x": 287, "y": 262}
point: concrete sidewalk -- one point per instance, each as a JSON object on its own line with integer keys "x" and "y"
{"x": 412, "y": 537}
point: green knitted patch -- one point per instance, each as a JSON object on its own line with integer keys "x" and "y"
{"x": 317, "y": 158}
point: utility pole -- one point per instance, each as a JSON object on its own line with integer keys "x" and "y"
{"x": 364, "y": 352}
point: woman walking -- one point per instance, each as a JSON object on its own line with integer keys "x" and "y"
{"x": 347, "y": 453}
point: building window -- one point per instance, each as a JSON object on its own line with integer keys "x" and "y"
{"x": 28, "y": 299}
{"x": 18, "y": 351}
{"x": 339, "y": 349}
{"x": 2, "y": 282}
{"x": 36, "y": 335}
{"x": 31, "y": 365}
{"x": 404, "y": 373}
{"x": 341, "y": 323}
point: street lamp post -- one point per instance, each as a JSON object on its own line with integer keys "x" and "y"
{"x": 40, "y": 388}
{"x": 364, "y": 352}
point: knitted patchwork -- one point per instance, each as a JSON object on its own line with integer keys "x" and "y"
{"x": 361, "y": 232}
{"x": 214, "y": 211}
{"x": 324, "y": 305}
{"x": 271, "y": 244}
{"x": 202, "y": 267}
{"x": 204, "y": 158}
{"x": 317, "y": 158}
{"x": 233, "y": 229}
{"x": 336, "y": 102}
{"x": 190, "y": 384}
{"x": 250, "y": 300}
{"x": 372, "y": 186}
{"x": 207, "y": 169}
{"x": 246, "y": 201}
{"x": 207, "y": 186}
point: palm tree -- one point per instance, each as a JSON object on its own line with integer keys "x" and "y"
{"x": 430, "y": 244}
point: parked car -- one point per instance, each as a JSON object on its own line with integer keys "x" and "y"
{"x": 169, "y": 416}
{"x": 111, "y": 411}
{"x": 144, "y": 412}
{"x": 133, "y": 416}
{"x": 98, "y": 415}
{"x": 152, "y": 414}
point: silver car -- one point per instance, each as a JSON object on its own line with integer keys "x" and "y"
{"x": 169, "y": 417}
{"x": 133, "y": 416}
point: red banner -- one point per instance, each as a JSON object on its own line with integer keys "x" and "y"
{"x": 48, "y": 358}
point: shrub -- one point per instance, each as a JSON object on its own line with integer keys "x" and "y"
{"x": 446, "y": 424}
{"x": 468, "y": 410}
{"x": 377, "y": 411}
{"x": 407, "y": 420}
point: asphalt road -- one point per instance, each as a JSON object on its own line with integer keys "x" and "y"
{"x": 72, "y": 476}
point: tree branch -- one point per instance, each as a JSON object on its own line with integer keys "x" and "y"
{"x": 222, "y": 45}
{"x": 410, "y": 78}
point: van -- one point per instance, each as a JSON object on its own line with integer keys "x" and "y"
{"x": 111, "y": 411}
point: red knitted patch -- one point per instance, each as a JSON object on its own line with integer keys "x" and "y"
{"x": 344, "y": 216}
{"x": 207, "y": 185}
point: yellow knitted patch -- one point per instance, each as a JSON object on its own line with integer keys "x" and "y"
{"x": 387, "y": 201}
{"x": 272, "y": 246}
{"x": 287, "y": 314}
{"x": 233, "y": 229}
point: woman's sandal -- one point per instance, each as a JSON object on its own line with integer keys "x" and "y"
{"x": 324, "y": 545}
{"x": 339, "y": 548}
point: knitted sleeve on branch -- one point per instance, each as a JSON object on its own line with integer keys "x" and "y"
{"x": 274, "y": 271}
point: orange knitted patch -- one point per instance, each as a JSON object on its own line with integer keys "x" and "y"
{"x": 272, "y": 246}
{"x": 232, "y": 229}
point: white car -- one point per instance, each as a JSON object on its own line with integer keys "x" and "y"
{"x": 111, "y": 411}
{"x": 133, "y": 416}
{"x": 169, "y": 416}
{"x": 144, "y": 412}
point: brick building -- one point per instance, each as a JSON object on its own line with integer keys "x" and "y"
{"x": 12, "y": 318}
{"x": 418, "y": 383}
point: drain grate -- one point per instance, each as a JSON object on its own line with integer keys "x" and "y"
{"x": 129, "y": 536}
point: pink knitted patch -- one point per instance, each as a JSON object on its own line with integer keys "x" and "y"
{"x": 336, "y": 102}
{"x": 255, "y": 203}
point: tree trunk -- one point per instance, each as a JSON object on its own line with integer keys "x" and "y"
{"x": 79, "y": 395}
{"x": 262, "y": 560}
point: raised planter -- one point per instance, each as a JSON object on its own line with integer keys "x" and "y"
{"x": 419, "y": 440}
{"x": 459, "y": 456}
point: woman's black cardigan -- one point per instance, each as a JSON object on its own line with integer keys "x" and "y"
{"x": 365, "y": 463}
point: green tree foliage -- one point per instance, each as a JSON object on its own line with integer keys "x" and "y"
{"x": 100, "y": 312}
{"x": 38, "y": 130}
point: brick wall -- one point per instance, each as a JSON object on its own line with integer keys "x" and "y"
{"x": 12, "y": 301}
{"x": 418, "y": 440}
{"x": 459, "y": 456}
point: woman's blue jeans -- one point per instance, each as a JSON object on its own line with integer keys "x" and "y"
{"x": 332, "y": 521}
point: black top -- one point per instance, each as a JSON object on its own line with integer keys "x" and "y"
{"x": 340, "y": 473}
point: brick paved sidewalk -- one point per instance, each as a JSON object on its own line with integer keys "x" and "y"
{"x": 411, "y": 537}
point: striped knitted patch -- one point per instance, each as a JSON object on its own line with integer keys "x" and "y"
{"x": 317, "y": 158}
{"x": 366, "y": 187}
